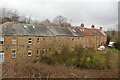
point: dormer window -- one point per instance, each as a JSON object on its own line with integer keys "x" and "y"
{"x": 30, "y": 41}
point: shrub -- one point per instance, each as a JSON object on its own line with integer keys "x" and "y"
{"x": 81, "y": 58}
{"x": 117, "y": 44}
{"x": 91, "y": 61}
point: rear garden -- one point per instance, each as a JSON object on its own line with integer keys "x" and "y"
{"x": 81, "y": 63}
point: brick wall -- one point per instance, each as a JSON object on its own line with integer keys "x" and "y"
{"x": 46, "y": 45}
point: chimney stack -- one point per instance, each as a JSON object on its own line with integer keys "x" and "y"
{"x": 15, "y": 18}
{"x": 93, "y": 26}
{"x": 101, "y": 28}
{"x": 82, "y": 27}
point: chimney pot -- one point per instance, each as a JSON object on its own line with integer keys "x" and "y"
{"x": 100, "y": 28}
{"x": 15, "y": 18}
{"x": 82, "y": 25}
{"x": 93, "y": 26}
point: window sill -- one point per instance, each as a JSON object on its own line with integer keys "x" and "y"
{"x": 13, "y": 57}
{"x": 29, "y": 55}
{"x": 30, "y": 43}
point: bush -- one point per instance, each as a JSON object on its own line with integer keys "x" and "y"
{"x": 91, "y": 61}
{"x": 81, "y": 58}
{"x": 117, "y": 44}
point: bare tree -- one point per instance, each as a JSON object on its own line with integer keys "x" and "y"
{"x": 7, "y": 14}
{"x": 61, "y": 21}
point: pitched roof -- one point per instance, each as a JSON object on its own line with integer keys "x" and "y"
{"x": 91, "y": 32}
{"x": 10, "y": 28}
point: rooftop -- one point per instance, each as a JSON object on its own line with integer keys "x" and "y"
{"x": 20, "y": 29}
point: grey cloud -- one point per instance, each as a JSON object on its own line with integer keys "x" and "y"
{"x": 100, "y": 13}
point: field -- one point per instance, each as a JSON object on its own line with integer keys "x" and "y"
{"x": 83, "y": 63}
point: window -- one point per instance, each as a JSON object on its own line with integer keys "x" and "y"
{"x": 13, "y": 53}
{"x": 50, "y": 50}
{"x": 1, "y": 56}
{"x": 50, "y": 40}
{"x": 59, "y": 48}
{"x": 72, "y": 39}
{"x": 29, "y": 52}
{"x": 43, "y": 40}
{"x": 43, "y": 51}
{"x": 14, "y": 40}
{"x": 72, "y": 48}
{"x": 30, "y": 41}
{"x": 1, "y": 40}
{"x": 38, "y": 53}
{"x": 38, "y": 40}
{"x": 59, "y": 40}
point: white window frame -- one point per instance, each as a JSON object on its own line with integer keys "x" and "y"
{"x": 1, "y": 56}
{"x": 14, "y": 54}
{"x": 13, "y": 40}
{"x": 30, "y": 40}
{"x": 2, "y": 39}
{"x": 29, "y": 51}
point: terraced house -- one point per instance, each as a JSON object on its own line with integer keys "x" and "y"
{"x": 31, "y": 41}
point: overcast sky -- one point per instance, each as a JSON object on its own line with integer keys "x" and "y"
{"x": 100, "y": 13}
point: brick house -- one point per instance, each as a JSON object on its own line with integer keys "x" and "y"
{"x": 30, "y": 41}
{"x": 93, "y": 37}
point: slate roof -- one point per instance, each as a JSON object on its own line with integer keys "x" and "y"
{"x": 20, "y": 29}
